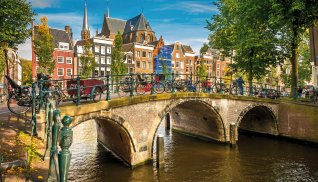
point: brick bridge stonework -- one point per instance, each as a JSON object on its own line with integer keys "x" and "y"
{"x": 128, "y": 126}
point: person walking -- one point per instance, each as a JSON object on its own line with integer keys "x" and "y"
{"x": 240, "y": 82}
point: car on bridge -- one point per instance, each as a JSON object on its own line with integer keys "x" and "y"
{"x": 269, "y": 93}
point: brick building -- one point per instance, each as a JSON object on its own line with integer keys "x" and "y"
{"x": 63, "y": 54}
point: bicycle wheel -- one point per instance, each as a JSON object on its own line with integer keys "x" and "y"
{"x": 168, "y": 87}
{"x": 97, "y": 94}
{"x": 198, "y": 87}
{"x": 140, "y": 89}
{"x": 19, "y": 104}
{"x": 159, "y": 88}
{"x": 122, "y": 90}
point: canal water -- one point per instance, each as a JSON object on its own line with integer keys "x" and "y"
{"x": 188, "y": 159}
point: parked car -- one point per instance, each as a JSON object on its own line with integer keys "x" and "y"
{"x": 309, "y": 91}
{"x": 269, "y": 93}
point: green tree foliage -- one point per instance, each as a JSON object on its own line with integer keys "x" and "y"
{"x": 26, "y": 71}
{"x": 118, "y": 66}
{"x": 201, "y": 70}
{"x": 87, "y": 61}
{"x": 15, "y": 16}
{"x": 304, "y": 66}
{"x": 204, "y": 48}
{"x": 44, "y": 48}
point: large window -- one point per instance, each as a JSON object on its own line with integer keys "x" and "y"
{"x": 177, "y": 64}
{"x": 102, "y": 49}
{"x": 138, "y": 64}
{"x": 97, "y": 59}
{"x": 149, "y": 65}
{"x": 60, "y": 71}
{"x": 149, "y": 54}
{"x": 144, "y": 64}
{"x": 69, "y": 71}
{"x": 109, "y": 50}
{"x": 60, "y": 59}
{"x": 138, "y": 53}
{"x": 177, "y": 55}
{"x": 69, "y": 60}
{"x": 96, "y": 48}
{"x": 144, "y": 54}
{"x": 109, "y": 60}
{"x": 102, "y": 60}
{"x": 102, "y": 71}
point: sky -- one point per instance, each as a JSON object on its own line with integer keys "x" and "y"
{"x": 175, "y": 20}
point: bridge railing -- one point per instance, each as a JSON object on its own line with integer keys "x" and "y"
{"x": 78, "y": 89}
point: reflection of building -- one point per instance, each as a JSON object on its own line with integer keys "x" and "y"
{"x": 314, "y": 53}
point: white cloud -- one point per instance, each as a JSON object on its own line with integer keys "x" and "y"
{"x": 25, "y": 50}
{"x": 44, "y": 3}
{"x": 190, "y": 7}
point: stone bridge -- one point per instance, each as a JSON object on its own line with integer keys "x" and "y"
{"x": 128, "y": 126}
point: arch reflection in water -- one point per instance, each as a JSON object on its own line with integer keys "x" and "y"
{"x": 190, "y": 159}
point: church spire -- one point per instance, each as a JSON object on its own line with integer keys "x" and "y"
{"x": 107, "y": 10}
{"x": 85, "y": 30}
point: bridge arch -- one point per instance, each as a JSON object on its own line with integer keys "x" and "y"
{"x": 258, "y": 118}
{"x": 113, "y": 132}
{"x": 191, "y": 116}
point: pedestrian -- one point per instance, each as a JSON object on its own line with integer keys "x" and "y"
{"x": 299, "y": 91}
{"x": 240, "y": 82}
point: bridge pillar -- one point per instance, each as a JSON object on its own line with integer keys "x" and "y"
{"x": 160, "y": 150}
{"x": 233, "y": 134}
{"x": 168, "y": 122}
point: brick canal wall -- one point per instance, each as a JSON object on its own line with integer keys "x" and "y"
{"x": 298, "y": 121}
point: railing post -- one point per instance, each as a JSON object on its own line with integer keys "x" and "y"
{"x": 53, "y": 176}
{"x": 107, "y": 88}
{"x": 206, "y": 84}
{"x": 78, "y": 83}
{"x": 34, "y": 122}
{"x": 152, "y": 84}
{"x": 172, "y": 82}
{"x": 41, "y": 93}
{"x": 49, "y": 130}
{"x": 221, "y": 85}
{"x": 131, "y": 89}
{"x": 66, "y": 140}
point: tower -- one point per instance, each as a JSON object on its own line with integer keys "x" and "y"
{"x": 85, "y": 30}
{"x": 107, "y": 10}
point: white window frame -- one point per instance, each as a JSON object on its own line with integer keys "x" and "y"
{"x": 97, "y": 59}
{"x": 108, "y": 50}
{"x": 58, "y": 71}
{"x": 58, "y": 59}
{"x": 67, "y": 69}
{"x": 177, "y": 55}
{"x": 102, "y": 60}
{"x": 69, "y": 58}
{"x": 149, "y": 54}
{"x": 149, "y": 65}
{"x": 97, "y": 48}
{"x": 144, "y": 64}
{"x": 138, "y": 53}
{"x": 102, "y": 49}
{"x": 64, "y": 46}
{"x": 108, "y": 60}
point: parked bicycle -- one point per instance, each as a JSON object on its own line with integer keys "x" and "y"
{"x": 143, "y": 86}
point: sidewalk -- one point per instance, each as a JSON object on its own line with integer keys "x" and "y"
{"x": 13, "y": 145}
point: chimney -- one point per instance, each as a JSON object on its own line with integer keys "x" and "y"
{"x": 67, "y": 29}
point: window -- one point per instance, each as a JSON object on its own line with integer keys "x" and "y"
{"x": 102, "y": 71}
{"x": 144, "y": 64}
{"x": 97, "y": 59}
{"x": 109, "y": 60}
{"x": 37, "y": 59}
{"x": 60, "y": 59}
{"x": 63, "y": 45}
{"x": 190, "y": 62}
{"x": 69, "y": 71}
{"x": 131, "y": 70}
{"x": 138, "y": 64}
{"x": 138, "y": 53}
{"x": 187, "y": 69}
{"x": 68, "y": 60}
{"x": 177, "y": 55}
{"x": 172, "y": 64}
{"x": 149, "y": 54}
{"x": 80, "y": 71}
{"x": 109, "y": 50}
{"x": 144, "y": 54}
{"x": 96, "y": 72}
{"x": 149, "y": 65}
{"x": 218, "y": 73}
{"x": 60, "y": 72}
{"x": 102, "y": 60}
{"x": 96, "y": 48}
{"x": 102, "y": 49}
{"x": 187, "y": 61}
{"x": 177, "y": 64}
{"x": 218, "y": 66}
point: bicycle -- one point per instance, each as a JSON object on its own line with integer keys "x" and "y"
{"x": 143, "y": 86}
{"x": 123, "y": 88}
{"x": 20, "y": 99}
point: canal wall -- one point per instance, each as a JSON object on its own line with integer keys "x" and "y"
{"x": 298, "y": 121}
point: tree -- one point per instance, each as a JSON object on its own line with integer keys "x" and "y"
{"x": 44, "y": 47}
{"x": 15, "y": 16}
{"x": 291, "y": 19}
{"x": 87, "y": 61}
{"x": 201, "y": 70}
{"x": 26, "y": 71}
{"x": 204, "y": 48}
{"x": 118, "y": 66}
{"x": 2, "y": 63}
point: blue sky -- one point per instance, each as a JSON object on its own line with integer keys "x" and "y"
{"x": 175, "y": 20}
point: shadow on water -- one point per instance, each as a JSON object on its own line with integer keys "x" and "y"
{"x": 189, "y": 159}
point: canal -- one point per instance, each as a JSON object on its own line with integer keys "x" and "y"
{"x": 188, "y": 159}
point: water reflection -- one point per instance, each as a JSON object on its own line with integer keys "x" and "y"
{"x": 190, "y": 159}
